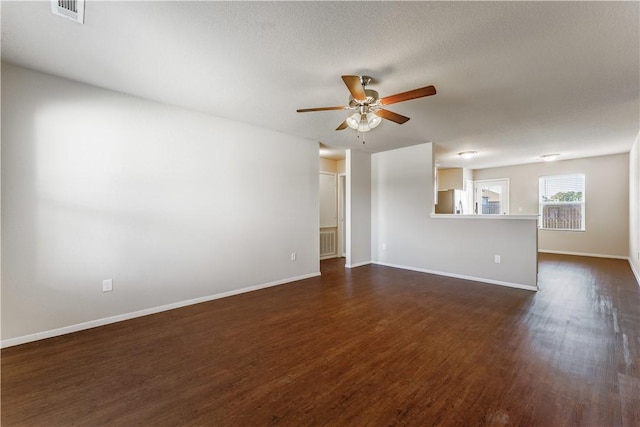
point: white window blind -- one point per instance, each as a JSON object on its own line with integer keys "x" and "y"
{"x": 561, "y": 202}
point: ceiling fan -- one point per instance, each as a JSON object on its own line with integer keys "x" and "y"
{"x": 369, "y": 106}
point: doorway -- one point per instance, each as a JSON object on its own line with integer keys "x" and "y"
{"x": 492, "y": 197}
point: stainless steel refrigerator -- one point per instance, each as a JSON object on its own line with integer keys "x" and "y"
{"x": 451, "y": 202}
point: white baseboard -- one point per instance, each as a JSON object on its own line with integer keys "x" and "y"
{"x": 635, "y": 272}
{"x": 582, "y": 254}
{"x": 126, "y": 316}
{"x": 461, "y": 276}
{"x": 359, "y": 264}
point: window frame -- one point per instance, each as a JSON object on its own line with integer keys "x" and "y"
{"x": 583, "y": 203}
{"x": 505, "y": 202}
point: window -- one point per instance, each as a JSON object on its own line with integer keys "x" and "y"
{"x": 561, "y": 200}
{"x": 492, "y": 197}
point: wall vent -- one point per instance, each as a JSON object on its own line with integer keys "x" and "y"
{"x": 327, "y": 244}
{"x": 70, "y": 9}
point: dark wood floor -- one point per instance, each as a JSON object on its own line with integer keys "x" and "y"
{"x": 368, "y": 346}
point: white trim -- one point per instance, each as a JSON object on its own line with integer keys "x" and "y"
{"x": 635, "y": 272}
{"x": 503, "y": 201}
{"x": 359, "y": 264}
{"x": 127, "y": 316}
{"x": 461, "y": 276}
{"x": 342, "y": 212}
{"x": 582, "y": 254}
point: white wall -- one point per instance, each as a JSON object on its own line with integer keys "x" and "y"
{"x": 606, "y": 202}
{"x": 358, "y": 226}
{"x": 171, "y": 204}
{"x": 634, "y": 208}
{"x": 405, "y": 235}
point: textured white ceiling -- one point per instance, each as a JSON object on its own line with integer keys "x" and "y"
{"x": 514, "y": 79}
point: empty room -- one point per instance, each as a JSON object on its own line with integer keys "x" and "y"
{"x": 320, "y": 213}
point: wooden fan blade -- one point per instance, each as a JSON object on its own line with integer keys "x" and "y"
{"x": 306, "y": 110}
{"x": 342, "y": 126}
{"x": 406, "y": 96}
{"x": 390, "y": 115}
{"x": 355, "y": 87}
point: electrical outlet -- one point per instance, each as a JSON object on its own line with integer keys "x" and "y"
{"x": 107, "y": 285}
{"x": 496, "y": 259}
{"x": 293, "y": 256}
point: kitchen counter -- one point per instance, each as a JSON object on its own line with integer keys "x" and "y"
{"x": 494, "y": 217}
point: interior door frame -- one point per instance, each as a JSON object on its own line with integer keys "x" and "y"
{"x": 504, "y": 198}
{"x": 342, "y": 214}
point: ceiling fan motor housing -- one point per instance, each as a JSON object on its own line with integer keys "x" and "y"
{"x": 372, "y": 97}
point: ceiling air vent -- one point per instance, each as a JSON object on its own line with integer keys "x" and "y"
{"x": 70, "y": 9}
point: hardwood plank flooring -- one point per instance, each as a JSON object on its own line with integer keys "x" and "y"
{"x": 366, "y": 347}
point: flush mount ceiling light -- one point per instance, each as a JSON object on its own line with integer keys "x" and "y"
{"x": 549, "y": 157}
{"x": 467, "y": 154}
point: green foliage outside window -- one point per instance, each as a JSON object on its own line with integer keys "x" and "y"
{"x": 564, "y": 196}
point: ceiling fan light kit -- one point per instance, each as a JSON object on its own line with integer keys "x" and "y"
{"x": 353, "y": 121}
{"x": 369, "y": 105}
{"x": 363, "y": 122}
{"x": 373, "y": 120}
